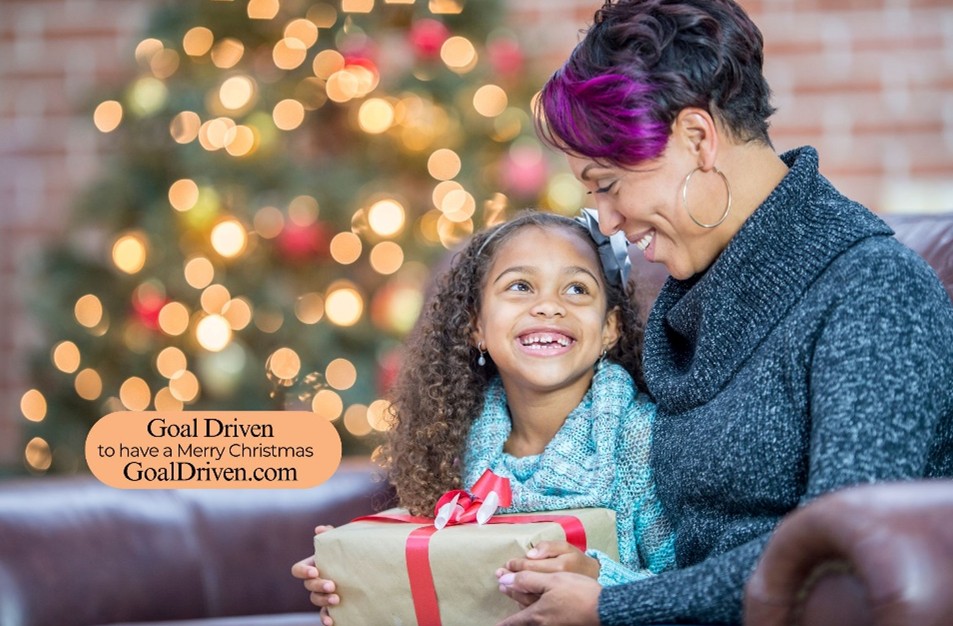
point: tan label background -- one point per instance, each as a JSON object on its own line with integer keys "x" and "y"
{"x": 213, "y": 449}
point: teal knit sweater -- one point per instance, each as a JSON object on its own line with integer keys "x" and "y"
{"x": 815, "y": 353}
{"x": 598, "y": 458}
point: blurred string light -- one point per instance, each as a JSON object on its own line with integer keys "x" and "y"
{"x": 38, "y": 455}
{"x": 88, "y": 311}
{"x": 129, "y": 252}
{"x": 33, "y": 405}
{"x": 343, "y": 303}
{"x": 386, "y": 217}
{"x": 66, "y": 357}
{"x": 346, "y": 248}
{"x": 107, "y": 116}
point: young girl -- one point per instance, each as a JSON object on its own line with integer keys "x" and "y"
{"x": 528, "y": 362}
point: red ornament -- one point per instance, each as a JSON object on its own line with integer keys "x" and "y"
{"x": 505, "y": 56}
{"x": 523, "y": 172}
{"x": 388, "y": 368}
{"x": 427, "y": 37}
{"x": 147, "y": 305}
{"x": 303, "y": 243}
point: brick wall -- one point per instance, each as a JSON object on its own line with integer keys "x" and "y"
{"x": 52, "y": 54}
{"x": 869, "y": 82}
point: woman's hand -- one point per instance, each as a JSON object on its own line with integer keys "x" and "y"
{"x": 553, "y": 556}
{"x": 560, "y": 599}
{"x": 322, "y": 590}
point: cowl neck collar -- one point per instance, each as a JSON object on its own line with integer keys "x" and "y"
{"x": 703, "y": 329}
{"x": 577, "y": 468}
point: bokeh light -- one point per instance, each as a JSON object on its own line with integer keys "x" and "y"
{"x": 214, "y": 297}
{"x": 107, "y": 116}
{"x": 184, "y": 386}
{"x": 375, "y": 116}
{"x": 197, "y": 41}
{"x": 459, "y": 54}
{"x": 326, "y": 63}
{"x": 357, "y": 6}
{"x": 170, "y": 361}
{"x": 199, "y": 272}
{"x": 327, "y": 404}
{"x": 346, "y": 248}
{"x": 377, "y": 415}
{"x": 129, "y": 252}
{"x": 66, "y": 357}
{"x": 227, "y": 53}
{"x": 386, "y": 257}
{"x": 343, "y": 304}
{"x": 174, "y": 319}
{"x": 289, "y": 53}
{"x": 490, "y": 100}
{"x": 185, "y": 126}
{"x": 284, "y": 363}
{"x": 263, "y": 9}
{"x": 303, "y": 30}
{"x": 237, "y": 92}
{"x": 341, "y": 374}
{"x": 288, "y": 114}
{"x": 88, "y": 384}
{"x": 183, "y": 194}
{"x": 88, "y": 311}
{"x": 269, "y": 222}
{"x": 238, "y": 313}
{"x": 386, "y": 217}
{"x": 165, "y": 401}
{"x": 444, "y": 164}
{"x": 213, "y": 332}
{"x": 355, "y": 420}
{"x": 135, "y": 394}
{"x": 38, "y": 455}
{"x": 309, "y": 308}
{"x": 33, "y": 405}
{"x": 229, "y": 238}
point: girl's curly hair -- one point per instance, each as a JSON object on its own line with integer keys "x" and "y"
{"x": 440, "y": 389}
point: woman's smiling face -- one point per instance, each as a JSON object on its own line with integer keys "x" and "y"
{"x": 645, "y": 203}
{"x": 542, "y": 315}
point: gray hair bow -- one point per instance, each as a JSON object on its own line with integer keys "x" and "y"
{"x": 613, "y": 251}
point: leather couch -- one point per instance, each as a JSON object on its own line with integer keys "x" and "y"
{"x": 74, "y": 552}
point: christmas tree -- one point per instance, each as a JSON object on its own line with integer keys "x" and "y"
{"x": 286, "y": 175}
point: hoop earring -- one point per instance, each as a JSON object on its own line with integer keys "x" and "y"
{"x": 685, "y": 198}
{"x": 481, "y": 360}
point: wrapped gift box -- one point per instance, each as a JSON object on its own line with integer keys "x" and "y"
{"x": 367, "y": 560}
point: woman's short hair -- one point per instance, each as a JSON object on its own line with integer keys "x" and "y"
{"x": 643, "y": 61}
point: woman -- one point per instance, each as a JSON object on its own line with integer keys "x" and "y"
{"x": 798, "y": 348}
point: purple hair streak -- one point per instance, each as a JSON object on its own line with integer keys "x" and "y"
{"x": 607, "y": 118}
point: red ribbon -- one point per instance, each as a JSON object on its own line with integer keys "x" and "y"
{"x": 468, "y": 503}
{"x": 417, "y": 546}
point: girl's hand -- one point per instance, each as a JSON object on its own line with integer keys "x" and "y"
{"x": 322, "y": 590}
{"x": 553, "y": 556}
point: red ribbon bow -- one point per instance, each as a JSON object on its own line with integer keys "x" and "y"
{"x": 487, "y": 494}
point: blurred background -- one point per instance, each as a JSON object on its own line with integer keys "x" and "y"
{"x": 238, "y": 204}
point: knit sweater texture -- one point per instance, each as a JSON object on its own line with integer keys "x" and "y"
{"x": 815, "y": 353}
{"x": 598, "y": 458}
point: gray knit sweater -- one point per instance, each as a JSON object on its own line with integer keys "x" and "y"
{"x": 815, "y": 353}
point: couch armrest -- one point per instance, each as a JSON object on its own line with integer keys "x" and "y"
{"x": 875, "y": 554}
{"x": 74, "y": 552}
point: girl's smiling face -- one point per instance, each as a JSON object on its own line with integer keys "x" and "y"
{"x": 543, "y": 316}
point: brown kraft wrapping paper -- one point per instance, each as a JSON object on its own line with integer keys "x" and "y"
{"x": 367, "y": 562}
